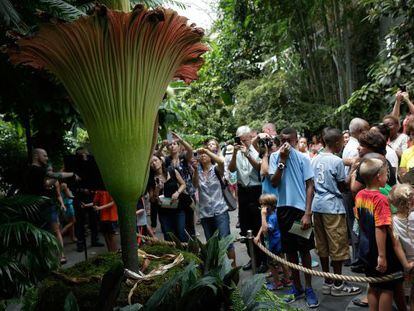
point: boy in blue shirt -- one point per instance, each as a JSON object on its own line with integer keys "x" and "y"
{"x": 270, "y": 229}
{"x": 293, "y": 177}
{"x": 329, "y": 216}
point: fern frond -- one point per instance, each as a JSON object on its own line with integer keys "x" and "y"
{"x": 155, "y": 3}
{"x": 62, "y": 9}
{"x": 10, "y": 17}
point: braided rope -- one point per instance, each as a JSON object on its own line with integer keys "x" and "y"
{"x": 333, "y": 276}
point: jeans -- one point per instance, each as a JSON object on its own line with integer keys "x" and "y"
{"x": 220, "y": 223}
{"x": 172, "y": 220}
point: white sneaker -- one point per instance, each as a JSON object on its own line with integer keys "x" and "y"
{"x": 326, "y": 288}
{"x": 345, "y": 290}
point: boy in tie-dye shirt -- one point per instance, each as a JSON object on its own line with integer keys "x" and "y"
{"x": 377, "y": 248}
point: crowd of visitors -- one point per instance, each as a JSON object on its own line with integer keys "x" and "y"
{"x": 346, "y": 194}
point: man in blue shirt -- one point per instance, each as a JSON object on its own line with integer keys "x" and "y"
{"x": 293, "y": 176}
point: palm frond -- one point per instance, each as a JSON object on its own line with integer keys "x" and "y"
{"x": 13, "y": 277}
{"x": 87, "y": 7}
{"x": 22, "y": 207}
{"x": 19, "y": 234}
{"x": 155, "y": 3}
{"x": 62, "y": 9}
{"x": 10, "y": 17}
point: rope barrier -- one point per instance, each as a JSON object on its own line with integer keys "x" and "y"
{"x": 333, "y": 276}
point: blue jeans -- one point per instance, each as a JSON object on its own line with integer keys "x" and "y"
{"x": 220, "y": 223}
{"x": 172, "y": 220}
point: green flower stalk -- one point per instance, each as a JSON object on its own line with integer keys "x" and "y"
{"x": 116, "y": 67}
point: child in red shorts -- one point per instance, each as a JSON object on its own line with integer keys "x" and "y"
{"x": 108, "y": 217}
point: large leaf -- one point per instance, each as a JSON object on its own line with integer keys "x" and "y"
{"x": 163, "y": 293}
{"x": 251, "y": 287}
{"x": 62, "y": 9}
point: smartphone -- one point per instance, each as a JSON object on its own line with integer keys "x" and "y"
{"x": 403, "y": 88}
{"x": 169, "y": 137}
{"x": 237, "y": 140}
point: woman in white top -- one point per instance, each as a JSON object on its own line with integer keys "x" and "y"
{"x": 214, "y": 215}
{"x": 402, "y": 197}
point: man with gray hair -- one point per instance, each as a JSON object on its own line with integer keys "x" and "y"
{"x": 245, "y": 161}
{"x": 357, "y": 126}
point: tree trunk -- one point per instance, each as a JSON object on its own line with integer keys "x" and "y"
{"x": 127, "y": 226}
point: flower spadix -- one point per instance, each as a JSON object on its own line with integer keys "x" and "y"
{"x": 116, "y": 67}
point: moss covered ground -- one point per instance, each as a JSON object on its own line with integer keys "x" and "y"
{"x": 53, "y": 290}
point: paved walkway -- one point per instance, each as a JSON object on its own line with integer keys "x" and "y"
{"x": 327, "y": 302}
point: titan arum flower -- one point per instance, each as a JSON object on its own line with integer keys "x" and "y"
{"x": 116, "y": 66}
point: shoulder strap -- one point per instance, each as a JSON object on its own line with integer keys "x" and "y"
{"x": 219, "y": 177}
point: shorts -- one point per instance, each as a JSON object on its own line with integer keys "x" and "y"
{"x": 220, "y": 223}
{"x": 70, "y": 211}
{"x": 108, "y": 227}
{"x": 331, "y": 236}
{"x": 390, "y": 285}
{"x": 292, "y": 243}
{"x": 53, "y": 214}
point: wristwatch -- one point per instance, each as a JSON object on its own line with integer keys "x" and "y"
{"x": 281, "y": 166}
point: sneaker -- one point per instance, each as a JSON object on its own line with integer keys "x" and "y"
{"x": 345, "y": 290}
{"x": 293, "y": 294}
{"x": 279, "y": 285}
{"x": 326, "y": 288}
{"x": 286, "y": 282}
{"x": 311, "y": 299}
{"x": 271, "y": 286}
{"x": 315, "y": 264}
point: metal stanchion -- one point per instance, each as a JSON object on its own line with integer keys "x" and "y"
{"x": 250, "y": 245}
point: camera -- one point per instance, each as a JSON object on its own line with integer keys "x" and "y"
{"x": 265, "y": 142}
{"x": 237, "y": 140}
{"x": 402, "y": 87}
{"x": 195, "y": 154}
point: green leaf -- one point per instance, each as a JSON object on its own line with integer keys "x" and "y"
{"x": 70, "y": 303}
{"x": 62, "y": 9}
{"x": 251, "y": 287}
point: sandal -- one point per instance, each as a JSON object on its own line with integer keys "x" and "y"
{"x": 358, "y": 302}
{"x": 63, "y": 260}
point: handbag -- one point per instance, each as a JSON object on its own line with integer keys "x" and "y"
{"x": 166, "y": 203}
{"x": 228, "y": 196}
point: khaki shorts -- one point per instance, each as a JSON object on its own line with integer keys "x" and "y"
{"x": 331, "y": 236}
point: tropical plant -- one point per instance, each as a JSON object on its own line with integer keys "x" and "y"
{"x": 27, "y": 253}
{"x": 116, "y": 67}
{"x": 200, "y": 287}
{"x": 13, "y": 157}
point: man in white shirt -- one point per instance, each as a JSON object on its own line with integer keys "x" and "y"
{"x": 245, "y": 161}
{"x": 357, "y": 126}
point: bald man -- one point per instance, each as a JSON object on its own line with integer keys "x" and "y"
{"x": 269, "y": 128}
{"x": 38, "y": 177}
